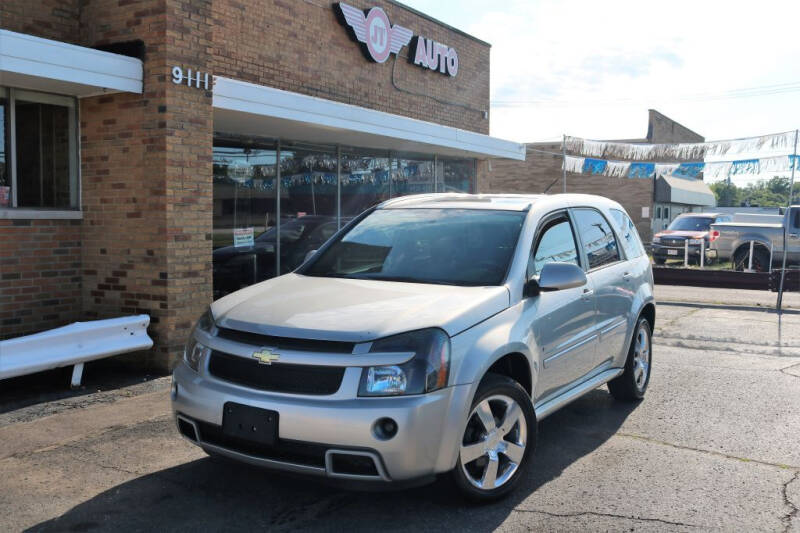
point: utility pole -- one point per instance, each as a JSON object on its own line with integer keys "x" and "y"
{"x": 787, "y": 220}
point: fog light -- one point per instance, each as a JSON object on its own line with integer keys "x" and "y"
{"x": 384, "y": 428}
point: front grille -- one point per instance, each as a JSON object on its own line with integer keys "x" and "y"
{"x": 277, "y": 377}
{"x": 285, "y": 343}
{"x": 287, "y": 451}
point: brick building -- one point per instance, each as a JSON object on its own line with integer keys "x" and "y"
{"x": 152, "y": 151}
{"x": 541, "y": 171}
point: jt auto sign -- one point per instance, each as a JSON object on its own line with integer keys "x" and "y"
{"x": 379, "y": 39}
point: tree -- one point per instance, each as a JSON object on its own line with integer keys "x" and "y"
{"x": 771, "y": 193}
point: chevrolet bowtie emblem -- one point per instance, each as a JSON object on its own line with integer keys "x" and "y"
{"x": 266, "y": 356}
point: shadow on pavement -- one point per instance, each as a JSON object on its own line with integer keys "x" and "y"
{"x": 53, "y": 385}
{"x": 209, "y": 494}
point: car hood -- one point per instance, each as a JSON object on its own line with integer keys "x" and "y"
{"x": 354, "y": 310}
{"x": 693, "y": 234}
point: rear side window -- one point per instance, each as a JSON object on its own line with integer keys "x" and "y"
{"x": 629, "y": 236}
{"x": 796, "y": 218}
{"x": 599, "y": 242}
{"x": 556, "y": 244}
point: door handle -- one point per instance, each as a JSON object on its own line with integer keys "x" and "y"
{"x": 587, "y": 293}
{"x": 627, "y": 276}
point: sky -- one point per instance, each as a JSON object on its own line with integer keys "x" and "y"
{"x": 592, "y": 69}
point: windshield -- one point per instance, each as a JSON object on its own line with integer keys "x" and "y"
{"x": 442, "y": 246}
{"x": 691, "y": 224}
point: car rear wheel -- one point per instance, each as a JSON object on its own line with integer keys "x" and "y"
{"x": 632, "y": 383}
{"x": 497, "y": 442}
{"x": 659, "y": 260}
{"x": 760, "y": 260}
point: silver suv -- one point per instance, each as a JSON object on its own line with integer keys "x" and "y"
{"x": 428, "y": 336}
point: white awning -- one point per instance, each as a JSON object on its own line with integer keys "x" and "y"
{"x": 29, "y": 62}
{"x": 247, "y": 109}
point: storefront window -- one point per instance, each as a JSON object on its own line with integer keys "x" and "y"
{"x": 365, "y": 181}
{"x": 308, "y": 202}
{"x": 412, "y": 175}
{"x": 245, "y": 215}
{"x": 5, "y": 177}
{"x": 251, "y": 208}
{"x": 42, "y": 127}
{"x": 458, "y": 175}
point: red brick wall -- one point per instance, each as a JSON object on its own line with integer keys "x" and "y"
{"x": 51, "y": 19}
{"x": 40, "y": 278}
{"x": 301, "y": 47}
{"x": 541, "y": 170}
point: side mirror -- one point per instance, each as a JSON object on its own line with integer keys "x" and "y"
{"x": 556, "y": 277}
{"x": 309, "y": 254}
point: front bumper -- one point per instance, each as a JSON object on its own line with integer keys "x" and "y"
{"x": 678, "y": 252}
{"x": 426, "y": 442}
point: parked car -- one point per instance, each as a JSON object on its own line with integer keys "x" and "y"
{"x": 692, "y": 227}
{"x": 236, "y": 267}
{"x": 733, "y": 241}
{"x": 428, "y": 337}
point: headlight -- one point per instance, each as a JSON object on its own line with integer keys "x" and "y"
{"x": 194, "y": 351}
{"x": 427, "y": 371}
{"x": 656, "y": 239}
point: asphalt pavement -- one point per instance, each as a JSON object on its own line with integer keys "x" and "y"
{"x": 714, "y": 446}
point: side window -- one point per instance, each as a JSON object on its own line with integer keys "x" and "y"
{"x": 598, "y": 239}
{"x": 556, "y": 244}
{"x": 796, "y": 218}
{"x": 658, "y": 212}
{"x": 629, "y": 236}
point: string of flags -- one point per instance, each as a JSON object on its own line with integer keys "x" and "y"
{"x": 633, "y": 160}
{"x": 767, "y": 144}
{"x": 688, "y": 170}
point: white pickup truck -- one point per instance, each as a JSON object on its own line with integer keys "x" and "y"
{"x": 732, "y": 241}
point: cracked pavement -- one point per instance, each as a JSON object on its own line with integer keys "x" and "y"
{"x": 714, "y": 446}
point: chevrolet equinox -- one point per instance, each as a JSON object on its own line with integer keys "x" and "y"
{"x": 428, "y": 336}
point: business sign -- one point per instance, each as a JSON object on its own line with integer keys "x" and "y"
{"x": 379, "y": 39}
{"x": 243, "y": 237}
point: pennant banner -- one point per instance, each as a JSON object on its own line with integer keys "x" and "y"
{"x": 767, "y": 144}
{"x": 712, "y": 169}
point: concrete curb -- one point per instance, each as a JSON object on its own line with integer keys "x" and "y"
{"x": 789, "y": 311}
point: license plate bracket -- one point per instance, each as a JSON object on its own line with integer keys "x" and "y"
{"x": 250, "y": 423}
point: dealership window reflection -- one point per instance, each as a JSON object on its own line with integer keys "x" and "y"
{"x": 245, "y": 215}
{"x": 247, "y": 206}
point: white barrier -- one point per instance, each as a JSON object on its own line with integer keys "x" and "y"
{"x": 73, "y": 345}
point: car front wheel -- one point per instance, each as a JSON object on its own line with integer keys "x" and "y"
{"x": 631, "y": 385}
{"x": 498, "y": 440}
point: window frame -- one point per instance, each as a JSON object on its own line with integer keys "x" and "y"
{"x": 14, "y": 210}
{"x": 543, "y": 225}
{"x": 620, "y": 251}
{"x": 639, "y": 245}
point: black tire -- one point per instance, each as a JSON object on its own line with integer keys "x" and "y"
{"x": 760, "y": 259}
{"x": 492, "y": 387}
{"x": 659, "y": 260}
{"x": 628, "y": 387}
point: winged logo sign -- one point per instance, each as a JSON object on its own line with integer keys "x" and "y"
{"x": 373, "y": 29}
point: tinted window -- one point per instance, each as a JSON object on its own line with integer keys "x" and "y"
{"x": 691, "y": 224}
{"x": 598, "y": 239}
{"x": 444, "y": 246}
{"x": 555, "y": 245}
{"x": 796, "y": 218}
{"x": 629, "y": 236}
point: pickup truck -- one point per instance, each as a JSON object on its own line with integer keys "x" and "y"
{"x": 731, "y": 241}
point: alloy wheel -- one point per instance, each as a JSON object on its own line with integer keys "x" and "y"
{"x": 641, "y": 358}
{"x": 494, "y": 442}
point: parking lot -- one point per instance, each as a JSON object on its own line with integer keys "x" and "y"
{"x": 714, "y": 445}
